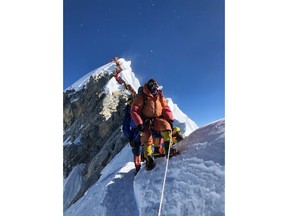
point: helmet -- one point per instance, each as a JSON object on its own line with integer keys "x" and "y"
{"x": 152, "y": 86}
{"x": 176, "y": 130}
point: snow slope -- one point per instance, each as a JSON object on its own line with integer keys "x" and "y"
{"x": 73, "y": 184}
{"x": 194, "y": 185}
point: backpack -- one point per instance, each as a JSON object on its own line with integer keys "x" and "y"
{"x": 144, "y": 96}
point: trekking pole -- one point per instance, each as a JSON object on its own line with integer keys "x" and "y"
{"x": 164, "y": 181}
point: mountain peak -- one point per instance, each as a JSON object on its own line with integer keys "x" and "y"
{"x": 93, "y": 115}
{"x": 126, "y": 74}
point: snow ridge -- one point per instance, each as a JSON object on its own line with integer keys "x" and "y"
{"x": 126, "y": 74}
{"x": 194, "y": 184}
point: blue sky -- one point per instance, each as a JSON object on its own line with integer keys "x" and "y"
{"x": 256, "y": 88}
{"x": 179, "y": 43}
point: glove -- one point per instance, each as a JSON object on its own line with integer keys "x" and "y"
{"x": 140, "y": 127}
{"x": 132, "y": 143}
{"x": 179, "y": 137}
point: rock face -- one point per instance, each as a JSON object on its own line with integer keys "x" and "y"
{"x": 92, "y": 121}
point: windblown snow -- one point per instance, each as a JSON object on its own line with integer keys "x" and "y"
{"x": 195, "y": 178}
{"x": 126, "y": 74}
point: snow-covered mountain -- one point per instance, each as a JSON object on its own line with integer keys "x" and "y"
{"x": 93, "y": 114}
{"x": 194, "y": 183}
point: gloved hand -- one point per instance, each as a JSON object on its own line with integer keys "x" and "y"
{"x": 140, "y": 127}
{"x": 132, "y": 142}
{"x": 179, "y": 137}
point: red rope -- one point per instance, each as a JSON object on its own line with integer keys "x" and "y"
{"x": 119, "y": 79}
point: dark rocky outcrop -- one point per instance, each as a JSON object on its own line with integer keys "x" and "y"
{"x": 92, "y": 121}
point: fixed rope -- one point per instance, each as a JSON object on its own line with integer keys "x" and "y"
{"x": 119, "y": 79}
{"x": 164, "y": 182}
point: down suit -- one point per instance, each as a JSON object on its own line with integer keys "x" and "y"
{"x": 150, "y": 112}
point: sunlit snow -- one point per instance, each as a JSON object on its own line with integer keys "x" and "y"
{"x": 194, "y": 185}
{"x": 195, "y": 178}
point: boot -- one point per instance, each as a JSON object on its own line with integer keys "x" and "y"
{"x": 137, "y": 167}
{"x": 150, "y": 163}
{"x": 156, "y": 150}
{"x": 166, "y": 147}
{"x": 137, "y": 163}
{"x": 174, "y": 151}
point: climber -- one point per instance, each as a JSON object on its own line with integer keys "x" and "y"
{"x": 132, "y": 133}
{"x": 157, "y": 143}
{"x": 176, "y": 135}
{"x": 150, "y": 112}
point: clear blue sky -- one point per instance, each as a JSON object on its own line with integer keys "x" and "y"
{"x": 178, "y": 42}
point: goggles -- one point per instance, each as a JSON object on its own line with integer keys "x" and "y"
{"x": 152, "y": 85}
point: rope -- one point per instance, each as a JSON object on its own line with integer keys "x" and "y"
{"x": 164, "y": 182}
{"x": 119, "y": 79}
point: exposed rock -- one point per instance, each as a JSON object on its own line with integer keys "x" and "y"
{"x": 92, "y": 123}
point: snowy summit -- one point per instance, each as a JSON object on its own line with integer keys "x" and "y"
{"x": 126, "y": 74}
